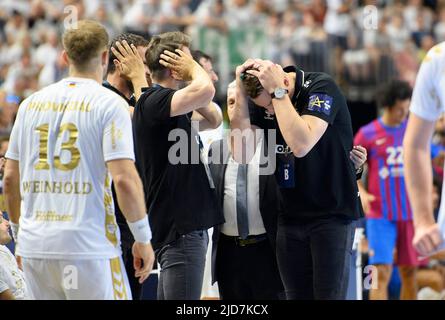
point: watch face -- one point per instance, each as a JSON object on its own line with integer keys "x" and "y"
{"x": 279, "y": 93}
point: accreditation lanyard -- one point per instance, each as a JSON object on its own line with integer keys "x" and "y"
{"x": 285, "y": 157}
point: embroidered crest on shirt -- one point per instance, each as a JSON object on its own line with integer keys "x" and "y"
{"x": 320, "y": 102}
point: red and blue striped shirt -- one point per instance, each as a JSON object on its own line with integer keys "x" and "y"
{"x": 386, "y": 179}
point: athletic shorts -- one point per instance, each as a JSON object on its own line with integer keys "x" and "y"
{"x": 385, "y": 236}
{"x": 95, "y": 279}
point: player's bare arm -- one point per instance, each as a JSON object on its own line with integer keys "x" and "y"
{"x": 6, "y": 295}
{"x": 11, "y": 186}
{"x": 419, "y": 181}
{"x": 11, "y": 190}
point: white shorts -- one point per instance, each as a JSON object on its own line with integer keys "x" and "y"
{"x": 96, "y": 279}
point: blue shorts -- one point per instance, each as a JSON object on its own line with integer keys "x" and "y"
{"x": 385, "y": 236}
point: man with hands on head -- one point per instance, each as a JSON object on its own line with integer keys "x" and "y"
{"x": 314, "y": 170}
{"x": 243, "y": 252}
{"x": 178, "y": 187}
{"x": 119, "y": 82}
{"x": 130, "y": 72}
{"x": 117, "y": 78}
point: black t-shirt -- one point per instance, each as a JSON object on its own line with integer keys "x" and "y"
{"x": 179, "y": 196}
{"x": 323, "y": 182}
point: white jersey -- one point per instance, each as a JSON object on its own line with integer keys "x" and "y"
{"x": 63, "y": 136}
{"x": 428, "y": 100}
{"x": 11, "y": 277}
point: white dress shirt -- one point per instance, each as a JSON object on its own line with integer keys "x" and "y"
{"x": 256, "y": 225}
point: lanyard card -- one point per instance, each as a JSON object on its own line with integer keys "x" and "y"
{"x": 286, "y": 171}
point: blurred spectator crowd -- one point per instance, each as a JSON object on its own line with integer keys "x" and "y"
{"x": 361, "y": 42}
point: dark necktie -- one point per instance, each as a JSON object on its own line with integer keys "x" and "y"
{"x": 241, "y": 201}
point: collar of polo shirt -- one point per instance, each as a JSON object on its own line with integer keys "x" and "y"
{"x": 299, "y": 80}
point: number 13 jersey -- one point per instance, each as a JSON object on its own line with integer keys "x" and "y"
{"x": 62, "y": 138}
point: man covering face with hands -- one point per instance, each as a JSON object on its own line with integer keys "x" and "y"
{"x": 314, "y": 170}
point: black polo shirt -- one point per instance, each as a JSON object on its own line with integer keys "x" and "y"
{"x": 323, "y": 182}
{"x": 131, "y": 102}
{"x": 179, "y": 196}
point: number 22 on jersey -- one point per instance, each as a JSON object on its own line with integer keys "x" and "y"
{"x": 395, "y": 155}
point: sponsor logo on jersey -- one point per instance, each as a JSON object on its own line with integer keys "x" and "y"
{"x": 384, "y": 173}
{"x": 381, "y": 141}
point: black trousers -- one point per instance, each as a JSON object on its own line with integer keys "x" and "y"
{"x": 314, "y": 256}
{"x": 248, "y": 272}
{"x": 127, "y": 257}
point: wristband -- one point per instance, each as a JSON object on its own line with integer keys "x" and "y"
{"x": 14, "y": 230}
{"x": 141, "y": 230}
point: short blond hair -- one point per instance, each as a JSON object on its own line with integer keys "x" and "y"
{"x": 87, "y": 40}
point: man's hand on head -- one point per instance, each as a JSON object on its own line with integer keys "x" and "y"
{"x": 180, "y": 63}
{"x": 129, "y": 63}
{"x": 242, "y": 68}
{"x": 240, "y": 92}
{"x": 271, "y": 75}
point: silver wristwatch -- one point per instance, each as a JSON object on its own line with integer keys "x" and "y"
{"x": 279, "y": 93}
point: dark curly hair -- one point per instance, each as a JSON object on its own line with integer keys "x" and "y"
{"x": 389, "y": 93}
{"x": 131, "y": 38}
{"x": 251, "y": 84}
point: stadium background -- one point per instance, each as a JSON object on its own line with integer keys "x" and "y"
{"x": 317, "y": 35}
